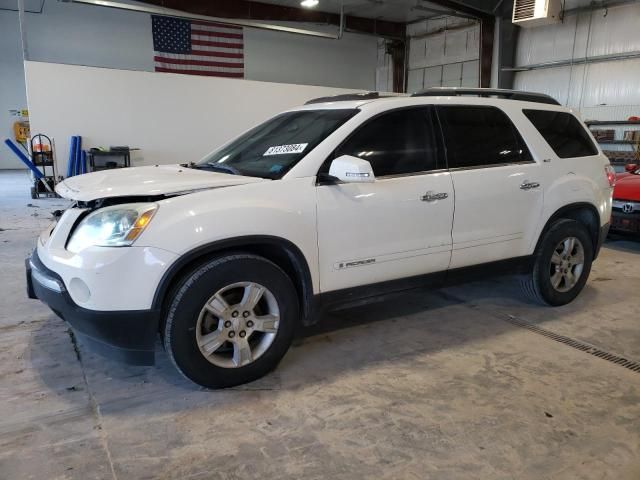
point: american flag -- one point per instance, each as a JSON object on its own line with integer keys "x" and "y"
{"x": 197, "y": 48}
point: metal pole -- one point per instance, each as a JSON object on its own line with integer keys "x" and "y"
{"x": 598, "y": 6}
{"x": 341, "y": 31}
{"x": 23, "y": 31}
{"x": 575, "y": 61}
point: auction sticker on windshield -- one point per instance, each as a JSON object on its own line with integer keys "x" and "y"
{"x": 285, "y": 149}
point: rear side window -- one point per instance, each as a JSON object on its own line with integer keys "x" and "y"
{"x": 395, "y": 143}
{"x": 478, "y": 136}
{"x": 563, "y": 132}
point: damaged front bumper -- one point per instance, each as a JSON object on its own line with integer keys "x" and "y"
{"x": 126, "y": 335}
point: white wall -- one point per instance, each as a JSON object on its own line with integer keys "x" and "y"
{"x": 86, "y": 35}
{"x": 171, "y": 118}
{"x": 12, "y": 93}
{"x": 602, "y": 91}
{"x": 272, "y": 56}
{"x": 443, "y": 52}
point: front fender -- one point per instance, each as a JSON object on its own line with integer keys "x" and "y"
{"x": 283, "y": 209}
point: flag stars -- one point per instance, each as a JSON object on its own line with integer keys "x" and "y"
{"x": 216, "y": 51}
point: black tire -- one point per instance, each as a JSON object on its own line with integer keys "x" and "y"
{"x": 193, "y": 293}
{"x": 537, "y": 285}
{"x": 34, "y": 193}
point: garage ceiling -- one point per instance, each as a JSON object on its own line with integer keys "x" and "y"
{"x": 403, "y": 11}
{"x": 407, "y": 11}
{"x": 569, "y": 4}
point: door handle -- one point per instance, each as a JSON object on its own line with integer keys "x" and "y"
{"x": 526, "y": 185}
{"x": 432, "y": 196}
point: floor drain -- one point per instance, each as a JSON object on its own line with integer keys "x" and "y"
{"x": 577, "y": 344}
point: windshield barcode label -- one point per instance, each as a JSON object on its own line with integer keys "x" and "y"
{"x": 286, "y": 149}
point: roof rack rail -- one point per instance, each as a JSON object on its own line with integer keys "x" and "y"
{"x": 488, "y": 92}
{"x": 347, "y": 97}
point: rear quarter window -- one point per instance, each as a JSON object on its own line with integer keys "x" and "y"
{"x": 564, "y": 133}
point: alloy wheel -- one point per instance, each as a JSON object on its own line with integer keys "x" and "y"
{"x": 237, "y": 324}
{"x": 567, "y": 264}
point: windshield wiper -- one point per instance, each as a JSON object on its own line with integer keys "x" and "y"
{"x": 220, "y": 168}
{"x": 217, "y": 167}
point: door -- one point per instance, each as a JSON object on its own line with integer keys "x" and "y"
{"x": 498, "y": 185}
{"x": 398, "y": 226}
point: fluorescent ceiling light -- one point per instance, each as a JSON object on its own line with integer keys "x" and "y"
{"x": 309, "y": 3}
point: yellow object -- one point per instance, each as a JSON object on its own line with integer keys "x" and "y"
{"x": 21, "y": 131}
{"x": 138, "y": 227}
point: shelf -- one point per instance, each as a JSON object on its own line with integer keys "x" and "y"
{"x": 611, "y": 122}
{"x": 615, "y": 161}
{"x": 616, "y": 142}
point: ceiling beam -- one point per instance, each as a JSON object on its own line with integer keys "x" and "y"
{"x": 464, "y": 8}
{"x": 252, "y": 10}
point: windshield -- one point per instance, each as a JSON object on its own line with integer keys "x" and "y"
{"x": 273, "y": 147}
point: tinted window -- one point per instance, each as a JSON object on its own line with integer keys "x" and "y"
{"x": 480, "y": 136}
{"x": 272, "y": 148}
{"x": 563, "y": 132}
{"x": 398, "y": 142}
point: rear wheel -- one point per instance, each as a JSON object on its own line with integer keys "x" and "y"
{"x": 562, "y": 264}
{"x": 231, "y": 321}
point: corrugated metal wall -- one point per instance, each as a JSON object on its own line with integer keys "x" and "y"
{"x": 443, "y": 52}
{"x": 600, "y": 91}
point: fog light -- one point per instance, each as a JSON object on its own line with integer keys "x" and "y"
{"x": 79, "y": 290}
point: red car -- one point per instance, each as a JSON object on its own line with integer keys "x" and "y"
{"x": 625, "y": 216}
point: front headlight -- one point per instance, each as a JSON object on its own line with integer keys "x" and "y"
{"x": 116, "y": 226}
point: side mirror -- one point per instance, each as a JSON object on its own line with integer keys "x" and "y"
{"x": 630, "y": 167}
{"x": 350, "y": 169}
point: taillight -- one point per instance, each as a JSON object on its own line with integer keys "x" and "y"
{"x": 611, "y": 175}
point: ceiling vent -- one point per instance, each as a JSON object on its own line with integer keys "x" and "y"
{"x": 533, "y": 13}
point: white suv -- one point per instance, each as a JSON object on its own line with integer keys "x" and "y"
{"x": 341, "y": 200}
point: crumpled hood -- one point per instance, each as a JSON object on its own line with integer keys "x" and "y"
{"x": 627, "y": 187}
{"x": 141, "y": 181}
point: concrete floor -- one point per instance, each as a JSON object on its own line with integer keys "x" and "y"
{"x": 435, "y": 385}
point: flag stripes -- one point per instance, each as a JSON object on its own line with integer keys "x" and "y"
{"x": 197, "y": 47}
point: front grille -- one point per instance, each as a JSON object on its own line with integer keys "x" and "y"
{"x": 621, "y": 212}
{"x": 628, "y": 222}
{"x": 626, "y": 206}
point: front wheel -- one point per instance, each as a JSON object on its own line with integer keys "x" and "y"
{"x": 231, "y": 320}
{"x": 562, "y": 264}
